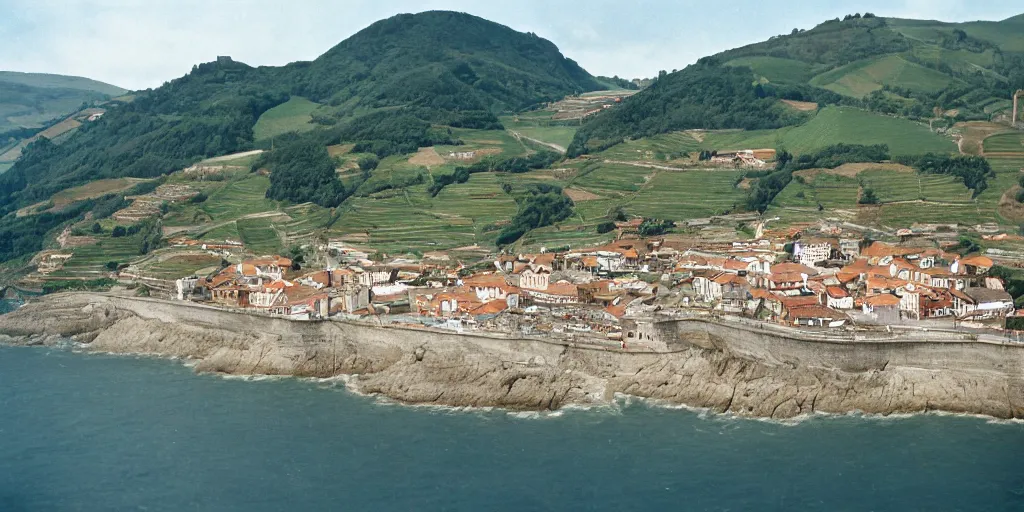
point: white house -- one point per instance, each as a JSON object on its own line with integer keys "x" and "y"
{"x": 838, "y": 298}
{"x": 811, "y": 253}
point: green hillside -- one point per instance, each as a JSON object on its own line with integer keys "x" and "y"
{"x": 438, "y": 131}
{"x": 858, "y": 79}
{"x": 389, "y": 88}
{"x": 904, "y": 68}
{"x": 49, "y": 81}
{"x": 30, "y": 100}
{"x": 776, "y": 69}
{"x": 844, "y": 125}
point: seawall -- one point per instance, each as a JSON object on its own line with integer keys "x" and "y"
{"x": 736, "y": 369}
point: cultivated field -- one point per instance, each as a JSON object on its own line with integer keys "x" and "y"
{"x": 865, "y": 76}
{"x": 776, "y": 69}
{"x": 689, "y": 194}
{"x": 290, "y": 116}
{"x": 1005, "y": 143}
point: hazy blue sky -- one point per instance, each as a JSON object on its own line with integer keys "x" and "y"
{"x": 143, "y": 43}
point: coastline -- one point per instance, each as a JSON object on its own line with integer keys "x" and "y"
{"x": 713, "y": 367}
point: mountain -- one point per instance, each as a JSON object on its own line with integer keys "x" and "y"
{"x": 911, "y": 68}
{"x": 32, "y": 99}
{"x": 411, "y": 72}
{"x": 443, "y": 60}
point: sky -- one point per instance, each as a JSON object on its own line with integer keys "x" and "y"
{"x": 137, "y": 44}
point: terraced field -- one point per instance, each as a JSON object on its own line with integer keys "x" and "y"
{"x": 396, "y": 224}
{"x": 862, "y": 77}
{"x": 829, "y": 190}
{"x": 847, "y": 125}
{"x": 902, "y": 215}
{"x": 689, "y": 194}
{"x": 485, "y": 142}
{"x": 240, "y": 197}
{"x": 539, "y": 125}
{"x": 611, "y": 180}
{"x": 89, "y": 262}
{"x": 891, "y": 186}
{"x": 181, "y": 265}
{"x": 1005, "y": 143}
{"x": 658, "y": 147}
{"x": 259, "y": 235}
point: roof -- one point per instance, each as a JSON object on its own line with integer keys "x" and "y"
{"x": 490, "y": 308}
{"x": 786, "y": 277}
{"x": 883, "y": 299}
{"x": 486, "y": 281}
{"x": 988, "y": 295}
{"x": 272, "y": 260}
{"x": 761, "y": 293}
{"x": 836, "y": 292}
{"x": 816, "y": 312}
{"x": 736, "y": 265}
{"x": 546, "y": 259}
{"x": 562, "y": 288}
{"x": 799, "y": 301}
{"x": 978, "y": 261}
{"x": 786, "y": 268}
{"x": 618, "y": 311}
{"x": 882, "y": 249}
{"x": 726, "y": 278}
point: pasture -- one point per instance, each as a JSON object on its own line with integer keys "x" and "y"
{"x": 865, "y": 76}
{"x": 293, "y": 115}
{"x": 776, "y": 69}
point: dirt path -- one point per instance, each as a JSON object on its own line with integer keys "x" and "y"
{"x": 231, "y": 157}
{"x": 210, "y": 227}
{"x": 427, "y": 157}
{"x": 551, "y": 145}
{"x": 642, "y": 164}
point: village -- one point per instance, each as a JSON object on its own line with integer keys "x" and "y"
{"x": 809, "y": 278}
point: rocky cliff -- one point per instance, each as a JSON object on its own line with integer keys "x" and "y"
{"x": 427, "y": 367}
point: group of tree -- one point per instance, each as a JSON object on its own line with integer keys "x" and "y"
{"x": 516, "y": 164}
{"x": 540, "y": 205}
{"x": 655, "y": 227}
{"x": 770, "y": 183}
{"x": 386, "y": 88}
{"x": 302, "y": 171}
{"x": 148, "y": 234}
{"x": 706, "y": 95}
{"x": 972, "y": 171}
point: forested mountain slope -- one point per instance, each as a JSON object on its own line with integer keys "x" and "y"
{"x": 922, "y": 70}
{"x": 410, "y": 72}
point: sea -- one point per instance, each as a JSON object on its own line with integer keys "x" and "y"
{"x": 86, "y": 432}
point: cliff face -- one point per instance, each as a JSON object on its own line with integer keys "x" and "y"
{"x": 427, "y": 367}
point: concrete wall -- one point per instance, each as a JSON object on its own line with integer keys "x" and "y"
{"x": 775, "y": 348}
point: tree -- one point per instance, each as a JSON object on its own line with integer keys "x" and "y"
{"x": 119, "y": 231}
{"x": 368, "y": 163}
{"x": 605, "y": 227}
{"x": 96, "y": 228}
{"x": 111, "y": 266}
{"x": 868, "y": 197}
{"x": 302, "y": 171}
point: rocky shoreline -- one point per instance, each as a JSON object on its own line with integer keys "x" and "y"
{"x": 466, "y": 370}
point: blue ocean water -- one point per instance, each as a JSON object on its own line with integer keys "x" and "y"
{"x": 88, "y": 432}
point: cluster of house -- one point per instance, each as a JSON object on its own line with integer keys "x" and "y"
{"x": 801, "y": 281}
{"x": 831, "y": 282}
